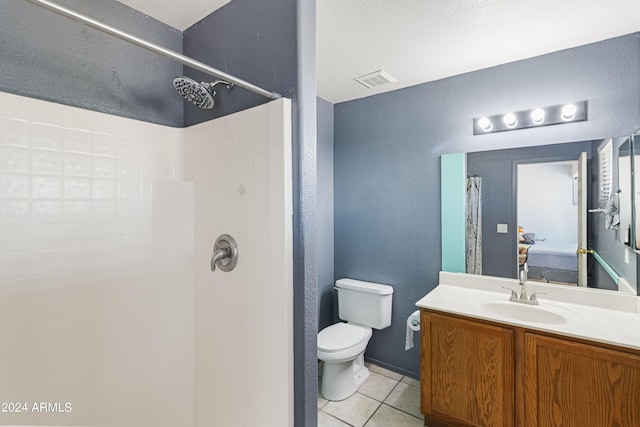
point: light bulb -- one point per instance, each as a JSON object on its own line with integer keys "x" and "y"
{"x": 537, "y": 116}
{"x": 485, "y": 124}
{"x": 510, "y": 120}
{"x": 569, "y": 112}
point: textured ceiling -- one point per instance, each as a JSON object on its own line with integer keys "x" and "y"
{"x": 180, "y": 14}
{"x": 417, "y": 41}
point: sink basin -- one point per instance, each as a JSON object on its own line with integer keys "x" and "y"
{"x": 523, "y": 312}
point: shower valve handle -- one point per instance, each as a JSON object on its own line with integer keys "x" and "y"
{"x": 225, "y": 253}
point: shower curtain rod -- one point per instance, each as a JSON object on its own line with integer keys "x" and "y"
{"x": 185, "y": 60}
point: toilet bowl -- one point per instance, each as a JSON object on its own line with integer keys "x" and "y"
{"x": 362, "y": 305}
{"x": 341, "y": 347}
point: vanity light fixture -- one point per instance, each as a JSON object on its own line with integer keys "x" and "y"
{"x": 536, "y": 117}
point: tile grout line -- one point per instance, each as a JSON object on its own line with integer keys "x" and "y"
{"x": 340, "y": 419}
{"x": 399, "y": 409}
{"x": 387, "y": 395}
{"x": 403, "y": 411}
{"x": 374, "y": 412}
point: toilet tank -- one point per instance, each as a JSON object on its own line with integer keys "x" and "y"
{"x": 364, "y": 303}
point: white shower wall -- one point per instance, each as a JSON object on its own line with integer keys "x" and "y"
{"x": 96, "y": 269}
{"x": 107, "y": 315}
{"x": 241, "y": 169}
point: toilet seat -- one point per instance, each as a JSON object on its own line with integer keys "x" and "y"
{"x": 339, "y": 337}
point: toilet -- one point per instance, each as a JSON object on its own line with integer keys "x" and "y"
{"x": 363, "y": 305}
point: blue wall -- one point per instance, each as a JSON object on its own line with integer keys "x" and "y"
{"x": 54, "y": 58}
{"x": 58, "y": 59}
{"x": 252, "y": 40}
{"x": 387, "y": 148}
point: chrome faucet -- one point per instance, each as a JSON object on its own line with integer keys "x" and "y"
{"x": 523, "y": 298}
{"x": 523, "y": 282}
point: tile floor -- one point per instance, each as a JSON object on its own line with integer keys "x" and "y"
{"x": 385, "y": 399}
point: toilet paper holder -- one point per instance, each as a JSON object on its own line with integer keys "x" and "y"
{"x": 413, "y": 325}
{"x": 225, "y": 253}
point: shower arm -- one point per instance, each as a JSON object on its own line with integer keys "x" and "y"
{"x": 185, "y": 60}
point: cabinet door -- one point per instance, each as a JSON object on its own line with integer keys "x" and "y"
{"x": 467, "y": 372}
{"x": 575, "y": 384}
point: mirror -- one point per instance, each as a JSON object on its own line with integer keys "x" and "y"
{"x": 527, "y": 208}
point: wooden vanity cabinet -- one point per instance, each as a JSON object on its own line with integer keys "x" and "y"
{"x": 578, "y": 384}
{"x": 477, "y": 373}
{"x": 467, "y": 372}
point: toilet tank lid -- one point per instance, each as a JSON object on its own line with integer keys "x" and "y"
{"x": 359, "y": 285}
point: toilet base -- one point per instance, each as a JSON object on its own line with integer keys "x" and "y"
{"x": 341, "y": 380}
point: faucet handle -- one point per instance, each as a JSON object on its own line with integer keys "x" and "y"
{"x": 514, "y": 294}
{"x": 534, "y": 297}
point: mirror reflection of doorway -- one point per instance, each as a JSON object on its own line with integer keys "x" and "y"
{"x": 547, "y": 217}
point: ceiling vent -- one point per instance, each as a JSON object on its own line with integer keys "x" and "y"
{"x": 377, "y": 78}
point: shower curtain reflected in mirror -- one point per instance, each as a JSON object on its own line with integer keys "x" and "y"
{"x": 474, "y": 225}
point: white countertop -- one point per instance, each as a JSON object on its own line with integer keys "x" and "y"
{"x": 592, "y": 314}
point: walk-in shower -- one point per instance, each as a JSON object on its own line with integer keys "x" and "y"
{"x": 200, "y": 94}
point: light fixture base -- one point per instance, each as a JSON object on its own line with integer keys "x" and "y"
{"x": 536, "y": 117}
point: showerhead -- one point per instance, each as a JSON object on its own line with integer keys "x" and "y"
{"x": 200, "y": 94}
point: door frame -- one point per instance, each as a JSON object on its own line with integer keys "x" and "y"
{"x": 514, "y": 191}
